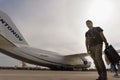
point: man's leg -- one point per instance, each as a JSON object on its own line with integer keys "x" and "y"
{"x": 115, "y": 70}
{"x": 101, "y": 65}
{"x": 92, "y": 54}
{"x": 98, "y": 70}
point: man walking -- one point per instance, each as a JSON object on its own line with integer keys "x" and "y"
{"x": 94, "y": 41}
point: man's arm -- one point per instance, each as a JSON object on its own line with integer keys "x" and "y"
{"x": 86, "y": 42}
{"x": 104, "y": 39}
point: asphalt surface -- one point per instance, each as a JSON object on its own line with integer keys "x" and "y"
{"x": 51, "y": 75}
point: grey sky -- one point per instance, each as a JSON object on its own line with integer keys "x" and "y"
{"x": 59, "y": 25}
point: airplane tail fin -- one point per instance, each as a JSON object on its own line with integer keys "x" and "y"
{"x": 9, "y": 32}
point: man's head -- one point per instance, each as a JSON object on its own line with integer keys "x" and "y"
{"x": 89, "y": 23}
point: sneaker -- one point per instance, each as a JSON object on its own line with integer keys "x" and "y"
{"x": 99, "y": 78}
{"x": 104, "y": 78}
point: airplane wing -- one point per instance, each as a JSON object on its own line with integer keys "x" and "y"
{"x": 80, "y": 55}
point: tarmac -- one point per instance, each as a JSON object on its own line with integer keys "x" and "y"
{"x": 51, "y": 75}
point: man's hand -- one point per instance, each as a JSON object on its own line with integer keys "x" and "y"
{"x": 106, "y": 45}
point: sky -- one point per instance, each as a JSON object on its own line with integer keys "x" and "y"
{"x": 59, "y": 25}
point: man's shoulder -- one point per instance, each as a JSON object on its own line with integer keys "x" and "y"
{"x": 96, "y": 27}
{"x": 87, "y": 31}
{"x": 99, "y": 29}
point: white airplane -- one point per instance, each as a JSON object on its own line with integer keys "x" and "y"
{"x": 13, "y": 44}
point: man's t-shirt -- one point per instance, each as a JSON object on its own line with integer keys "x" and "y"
{"x": 93, "y": 36}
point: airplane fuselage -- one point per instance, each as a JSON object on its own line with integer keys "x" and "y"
{"x": 13, "y": 44}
